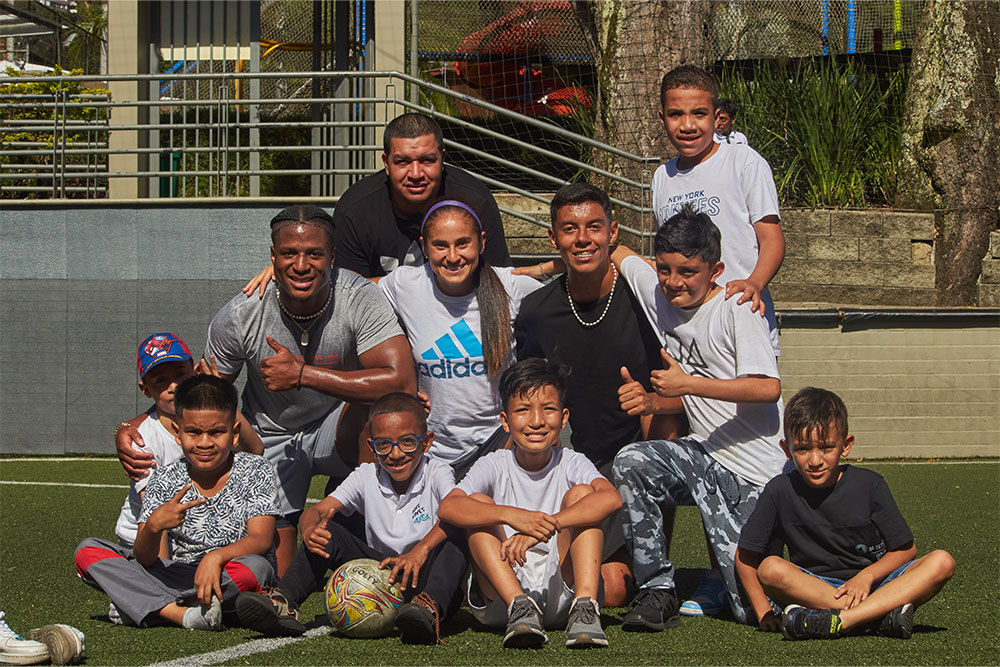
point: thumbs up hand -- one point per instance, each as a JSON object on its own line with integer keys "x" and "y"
{"x": 280, "y": 372}
{"x": 317, "y": 537}
{"x": 670, "y": 381}
{"x": 633, "y": 397}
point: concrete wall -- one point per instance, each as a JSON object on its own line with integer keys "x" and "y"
{"x": 80, "y": 288}
{"x": 916, "y": 383}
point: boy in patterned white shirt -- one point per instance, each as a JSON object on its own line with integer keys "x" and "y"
{"x": 398, "y": 497}
{"x": 217, "y": 508}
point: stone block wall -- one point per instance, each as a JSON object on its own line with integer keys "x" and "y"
{"x": 868, "y": 257}
{"x": 989, "y": 279}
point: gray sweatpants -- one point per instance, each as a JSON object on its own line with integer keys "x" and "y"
{"x": 665, "y": 473}
{"x": 140, "y": 592}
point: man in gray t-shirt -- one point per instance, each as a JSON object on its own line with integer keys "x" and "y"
{"x": 321, "y": 338}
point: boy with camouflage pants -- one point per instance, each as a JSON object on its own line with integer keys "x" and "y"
{"x": 718, "y": 358}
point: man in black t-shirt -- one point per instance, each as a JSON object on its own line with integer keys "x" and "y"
{"x": 377, "y": 220}
{"x": 589, "y": 320}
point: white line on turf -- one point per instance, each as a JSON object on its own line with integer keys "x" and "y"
{"x": 28, "y": 459}
{"x": 89, "y": 486}
{"x": 241, "y": 650}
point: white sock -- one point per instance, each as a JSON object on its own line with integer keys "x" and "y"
{"x": 204, "y": 617}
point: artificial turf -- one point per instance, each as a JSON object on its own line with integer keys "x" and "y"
{"x": 952, "y": 506}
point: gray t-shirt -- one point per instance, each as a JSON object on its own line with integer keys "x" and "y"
{"x": 358, "y": 318}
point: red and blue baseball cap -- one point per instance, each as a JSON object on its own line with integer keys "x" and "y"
{"x": 159, "y": 348}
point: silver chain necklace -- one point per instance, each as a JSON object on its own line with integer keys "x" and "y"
{"x": 304, "y": 336}
{"x": 607, "y": 305}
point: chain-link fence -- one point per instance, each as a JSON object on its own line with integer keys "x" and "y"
{"x": 542, "y": 58}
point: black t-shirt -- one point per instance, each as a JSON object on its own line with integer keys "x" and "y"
{"x": 372, "y": 240}
{"x": 832, "y": 532}
{"x": 545, "y": 327}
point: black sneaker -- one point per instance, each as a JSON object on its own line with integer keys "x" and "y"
{"x": 898, "y": 623}
{"x": 269, "y": 614}
{"x": 797, "y": 622}
{"x": 524, "y": 624}
{"x": 652, "y": 610}
{"x": 418, "y": 621}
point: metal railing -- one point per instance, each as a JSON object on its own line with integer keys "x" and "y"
{"x": 236, "y": 144}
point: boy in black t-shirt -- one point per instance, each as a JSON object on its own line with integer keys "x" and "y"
{"x": 851, "y": 555}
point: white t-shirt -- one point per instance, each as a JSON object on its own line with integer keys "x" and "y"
{"x": 499, "y": 476}
{"x": 163, "y": 446}
{"x": 718, "y": 340}
{"x": 736, "y": 189}
{"x": 394, "y": 523}
{"x": 447, "y": 347}
{"x": 733, "y": 137}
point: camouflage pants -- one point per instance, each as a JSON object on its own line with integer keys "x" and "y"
{"x": 665, "y": 473}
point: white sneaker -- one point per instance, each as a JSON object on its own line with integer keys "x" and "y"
{"x": 65, "y": 643}
{"x": 15, "y": 650}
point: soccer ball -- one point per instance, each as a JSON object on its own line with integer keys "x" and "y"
{"x": 360, "y": 601}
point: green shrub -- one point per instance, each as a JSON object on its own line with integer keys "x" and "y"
{"x": 831, "y": 131}
{"x": 39, "y": 89}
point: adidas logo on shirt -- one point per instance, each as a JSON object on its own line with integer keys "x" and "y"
{"x": 457, "y": 354}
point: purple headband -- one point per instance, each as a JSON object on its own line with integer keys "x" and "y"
{"x": 450, "y": 202}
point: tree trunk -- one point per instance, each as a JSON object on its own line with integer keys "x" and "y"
{"x": 950, "y": 152}
{"x": 635, "y": 42}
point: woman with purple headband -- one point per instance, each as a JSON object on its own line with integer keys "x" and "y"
{"x": 458, "y": 313}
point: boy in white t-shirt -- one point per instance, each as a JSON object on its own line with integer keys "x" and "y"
{"x": 724, "y": 119}
{"x": 717, "y": 358}
{"x": 731, "y": 183}
{"x": 164, "y": 362}
{"x": 398, "y": 498}
{"x": 513, "y": 503}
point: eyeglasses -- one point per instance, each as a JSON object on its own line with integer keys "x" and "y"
{"x": 406, "y": 444}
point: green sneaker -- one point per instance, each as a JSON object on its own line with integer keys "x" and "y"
{"x": 583, "y": 629}
{"x": 797, "y": 622}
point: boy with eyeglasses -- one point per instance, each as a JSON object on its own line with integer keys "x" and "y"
{"x": 398, "y": 497}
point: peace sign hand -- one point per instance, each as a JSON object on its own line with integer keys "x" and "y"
{"x": 171, "y": 513}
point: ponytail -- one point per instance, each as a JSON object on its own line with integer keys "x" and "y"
{"x": 494, "y": 318}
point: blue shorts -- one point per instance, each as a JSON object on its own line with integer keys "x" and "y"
{"x": 837, "y": 583}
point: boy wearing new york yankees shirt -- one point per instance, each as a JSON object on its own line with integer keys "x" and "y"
{"x": 717, "y": 358}
{"x": 399, "y": 498}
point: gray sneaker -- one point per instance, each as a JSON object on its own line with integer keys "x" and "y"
{"x": 583, "y": 629}
{"x": 524, "y": 624}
